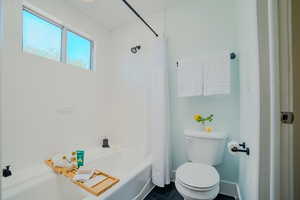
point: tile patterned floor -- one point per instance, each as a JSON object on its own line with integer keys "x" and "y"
{"x": 170, "y": 193}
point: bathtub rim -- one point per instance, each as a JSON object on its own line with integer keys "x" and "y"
{"x": 28, "y": 178}
{"x": 137, "y": 170}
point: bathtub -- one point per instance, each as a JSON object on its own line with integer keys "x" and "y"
{"x": 131, "y": 167}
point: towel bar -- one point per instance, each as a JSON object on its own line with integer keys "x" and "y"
{"x": 232, "y": 57}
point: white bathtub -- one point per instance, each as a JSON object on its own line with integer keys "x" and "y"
{"x": 40, "y": 183}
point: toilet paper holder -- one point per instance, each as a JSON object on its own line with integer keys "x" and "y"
{"x": 244, "y": 149}
{"x": 243, "y": 145}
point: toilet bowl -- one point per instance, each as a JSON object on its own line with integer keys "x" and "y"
{"x": 196, "y": 181}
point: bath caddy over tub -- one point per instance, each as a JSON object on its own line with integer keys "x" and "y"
{"x": 96, "y": 189}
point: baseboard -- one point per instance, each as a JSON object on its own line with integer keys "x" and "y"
{"x": 230, "y": 189}
{"x": 173, "y": 174}
{"x": 149, "y": 186}
{"x": 238, "y": 192}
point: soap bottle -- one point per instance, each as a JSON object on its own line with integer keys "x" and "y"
{"x": 80, "y": 158}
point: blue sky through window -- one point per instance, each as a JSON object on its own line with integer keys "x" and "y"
{"x": 78, "y": 51}
{"x": 41, "y": 37}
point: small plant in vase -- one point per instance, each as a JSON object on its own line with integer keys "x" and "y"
{"x": 203, "y": 120}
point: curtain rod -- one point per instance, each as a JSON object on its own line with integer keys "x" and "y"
{"x": 140, "y": 17}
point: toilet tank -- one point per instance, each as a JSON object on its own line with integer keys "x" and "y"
{"x": 204, "y": 147}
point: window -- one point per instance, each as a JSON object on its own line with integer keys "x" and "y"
{"x": 46, "y": 38}
{"x": 78, "y": 50}
{"x": 41, "y": 37}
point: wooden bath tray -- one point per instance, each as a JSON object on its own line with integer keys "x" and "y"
{"x": 96, "y": 189}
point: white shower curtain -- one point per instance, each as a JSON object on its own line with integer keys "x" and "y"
{"x": 159, "y": 114}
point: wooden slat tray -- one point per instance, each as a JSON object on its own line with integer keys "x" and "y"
{"x": 96, "y": 189}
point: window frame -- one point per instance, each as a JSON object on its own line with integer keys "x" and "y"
{"x": 48, "y": 20}
{"x": 64, "y": 30}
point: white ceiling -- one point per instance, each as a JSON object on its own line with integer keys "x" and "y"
{"x": 114, "y": 13}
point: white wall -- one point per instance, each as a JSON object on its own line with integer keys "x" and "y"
{"x": 249, "y": 99}
{"x": 130, "y": 110}
{"x": 199, "y": 28}
{"x": 1, "y": 51}
{"x": 47, "y": 106}
{"x": 193, "y": 28}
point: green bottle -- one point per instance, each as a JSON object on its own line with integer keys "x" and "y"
{"x": 80, "y": 158}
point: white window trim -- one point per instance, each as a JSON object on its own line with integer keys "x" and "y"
{"x": 41, "y": 12}
{"x": 55, "y": 21}
{"x": 91, "y": 48}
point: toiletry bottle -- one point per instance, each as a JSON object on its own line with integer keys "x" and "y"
{"x": 80, "y": 158}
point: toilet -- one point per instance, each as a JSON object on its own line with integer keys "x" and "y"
{"x": 198, "y": 179}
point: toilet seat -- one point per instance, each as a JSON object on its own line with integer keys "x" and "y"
{"x": 197, "y": 176}
{"x": 178, "y": 181}
{"x": 189, "y": 194}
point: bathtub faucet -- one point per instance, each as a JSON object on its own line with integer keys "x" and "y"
{"x": 105, "y": 143}
{"x": 6, "y": 172}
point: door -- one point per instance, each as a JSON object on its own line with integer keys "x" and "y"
{"x": 296, "y": 94}
{"x": 289, "y": 25}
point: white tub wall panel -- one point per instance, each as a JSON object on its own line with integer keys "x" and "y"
{"x": 130, "y": 94}
{"x": 118, "y": 163}
{"x": 109, "y": 164}
{"x": 36, "y": 91}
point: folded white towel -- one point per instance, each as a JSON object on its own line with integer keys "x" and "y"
{"x": 189, "y": 78}
{"x": 94, "y": 181}
{"x": 217, "y": 79}
{"x": 83, "y": 175}
{"x": 59, "y": 162}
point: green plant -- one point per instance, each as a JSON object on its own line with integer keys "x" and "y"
{"x": 202, "y": 120}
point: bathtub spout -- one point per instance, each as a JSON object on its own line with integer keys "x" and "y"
{"x": 6, "y": 172}
{"x": 105, "y": 143}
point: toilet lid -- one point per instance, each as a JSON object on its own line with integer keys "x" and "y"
{"x": 198, "y": 175}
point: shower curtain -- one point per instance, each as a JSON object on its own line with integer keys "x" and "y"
{"x": 159, "y": 114}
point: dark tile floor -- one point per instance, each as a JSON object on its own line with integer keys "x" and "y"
{"x": 170, "y": 193}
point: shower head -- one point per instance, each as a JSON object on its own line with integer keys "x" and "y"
{"x": 135, "y": 49}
